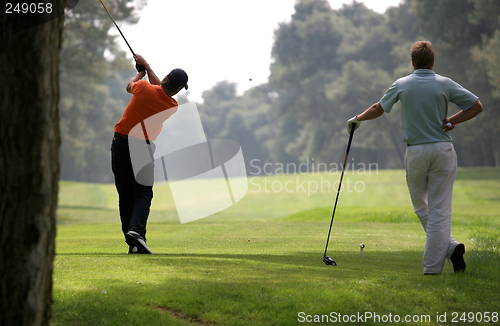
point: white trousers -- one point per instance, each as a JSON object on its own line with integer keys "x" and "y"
{"x": 430, "y": 174}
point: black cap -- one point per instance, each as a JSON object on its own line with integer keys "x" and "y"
{"x": 178, "y": 77}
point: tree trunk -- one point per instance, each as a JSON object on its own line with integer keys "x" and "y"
{"x": 29, "y": 167}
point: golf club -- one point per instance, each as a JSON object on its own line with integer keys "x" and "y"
{"x": 327, "y": 260}
{"x": 137, "y": 66}
{"x": 118, "y": 28}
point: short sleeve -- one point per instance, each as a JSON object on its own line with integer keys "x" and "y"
{"x": 390, "y": 97}
{"x": 462, "y": 97}
{"x": 137, "y": 86}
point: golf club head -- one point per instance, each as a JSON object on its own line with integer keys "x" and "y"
{"x": 328, "y": 261}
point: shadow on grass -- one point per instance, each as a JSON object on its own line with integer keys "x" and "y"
{"x": 86, "y": 208}
{"x": 351, "y": 266}
{"x": 374, "y": 261}
{"x": 245, "y": 289}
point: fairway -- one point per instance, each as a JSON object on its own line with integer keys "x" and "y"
{"x": 259, "y": 262}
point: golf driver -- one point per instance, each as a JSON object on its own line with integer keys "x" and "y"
{"x": 137, "y": 66}
{"x": 327, "y": 260}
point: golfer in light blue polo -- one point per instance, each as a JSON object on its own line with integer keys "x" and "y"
{"x": 430, "y": 160}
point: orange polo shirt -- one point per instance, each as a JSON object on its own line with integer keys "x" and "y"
{"x": 147, "y": 100}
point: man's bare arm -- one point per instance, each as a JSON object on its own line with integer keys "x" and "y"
{"x": 463, "y": 116}
{"x": 372, "y": 112}
{"x": 153, "y": 79}
{"x": 134, "y": 80}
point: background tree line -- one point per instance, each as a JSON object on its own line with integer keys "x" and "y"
{"x": 328, "y": 65}
{"x": 93, "y": 74}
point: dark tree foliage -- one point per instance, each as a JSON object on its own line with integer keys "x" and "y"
{"x": 465, "y": 34}
{"x": 94, "y": 71}
{"x": 327, "y": 65}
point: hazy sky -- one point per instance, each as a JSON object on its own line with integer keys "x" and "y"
{"x": 215, "y": 40}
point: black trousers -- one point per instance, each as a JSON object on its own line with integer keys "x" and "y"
{"x": 134, "y": 198}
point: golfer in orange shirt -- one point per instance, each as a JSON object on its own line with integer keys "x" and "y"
{"x": 148, "y": 99}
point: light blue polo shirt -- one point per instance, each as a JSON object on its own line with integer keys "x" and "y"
{"x": 424, "y": 97}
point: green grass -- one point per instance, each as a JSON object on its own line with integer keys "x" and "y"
{"x": 259, "y": 262}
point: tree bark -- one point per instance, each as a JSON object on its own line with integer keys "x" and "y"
{"x": 29, "y": 167}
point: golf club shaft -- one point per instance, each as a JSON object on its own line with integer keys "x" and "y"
{"x": 118, "y": 28}
{"x": 340, "y": 185}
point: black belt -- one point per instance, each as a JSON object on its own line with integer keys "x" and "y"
{"x": 126, "y": 137}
